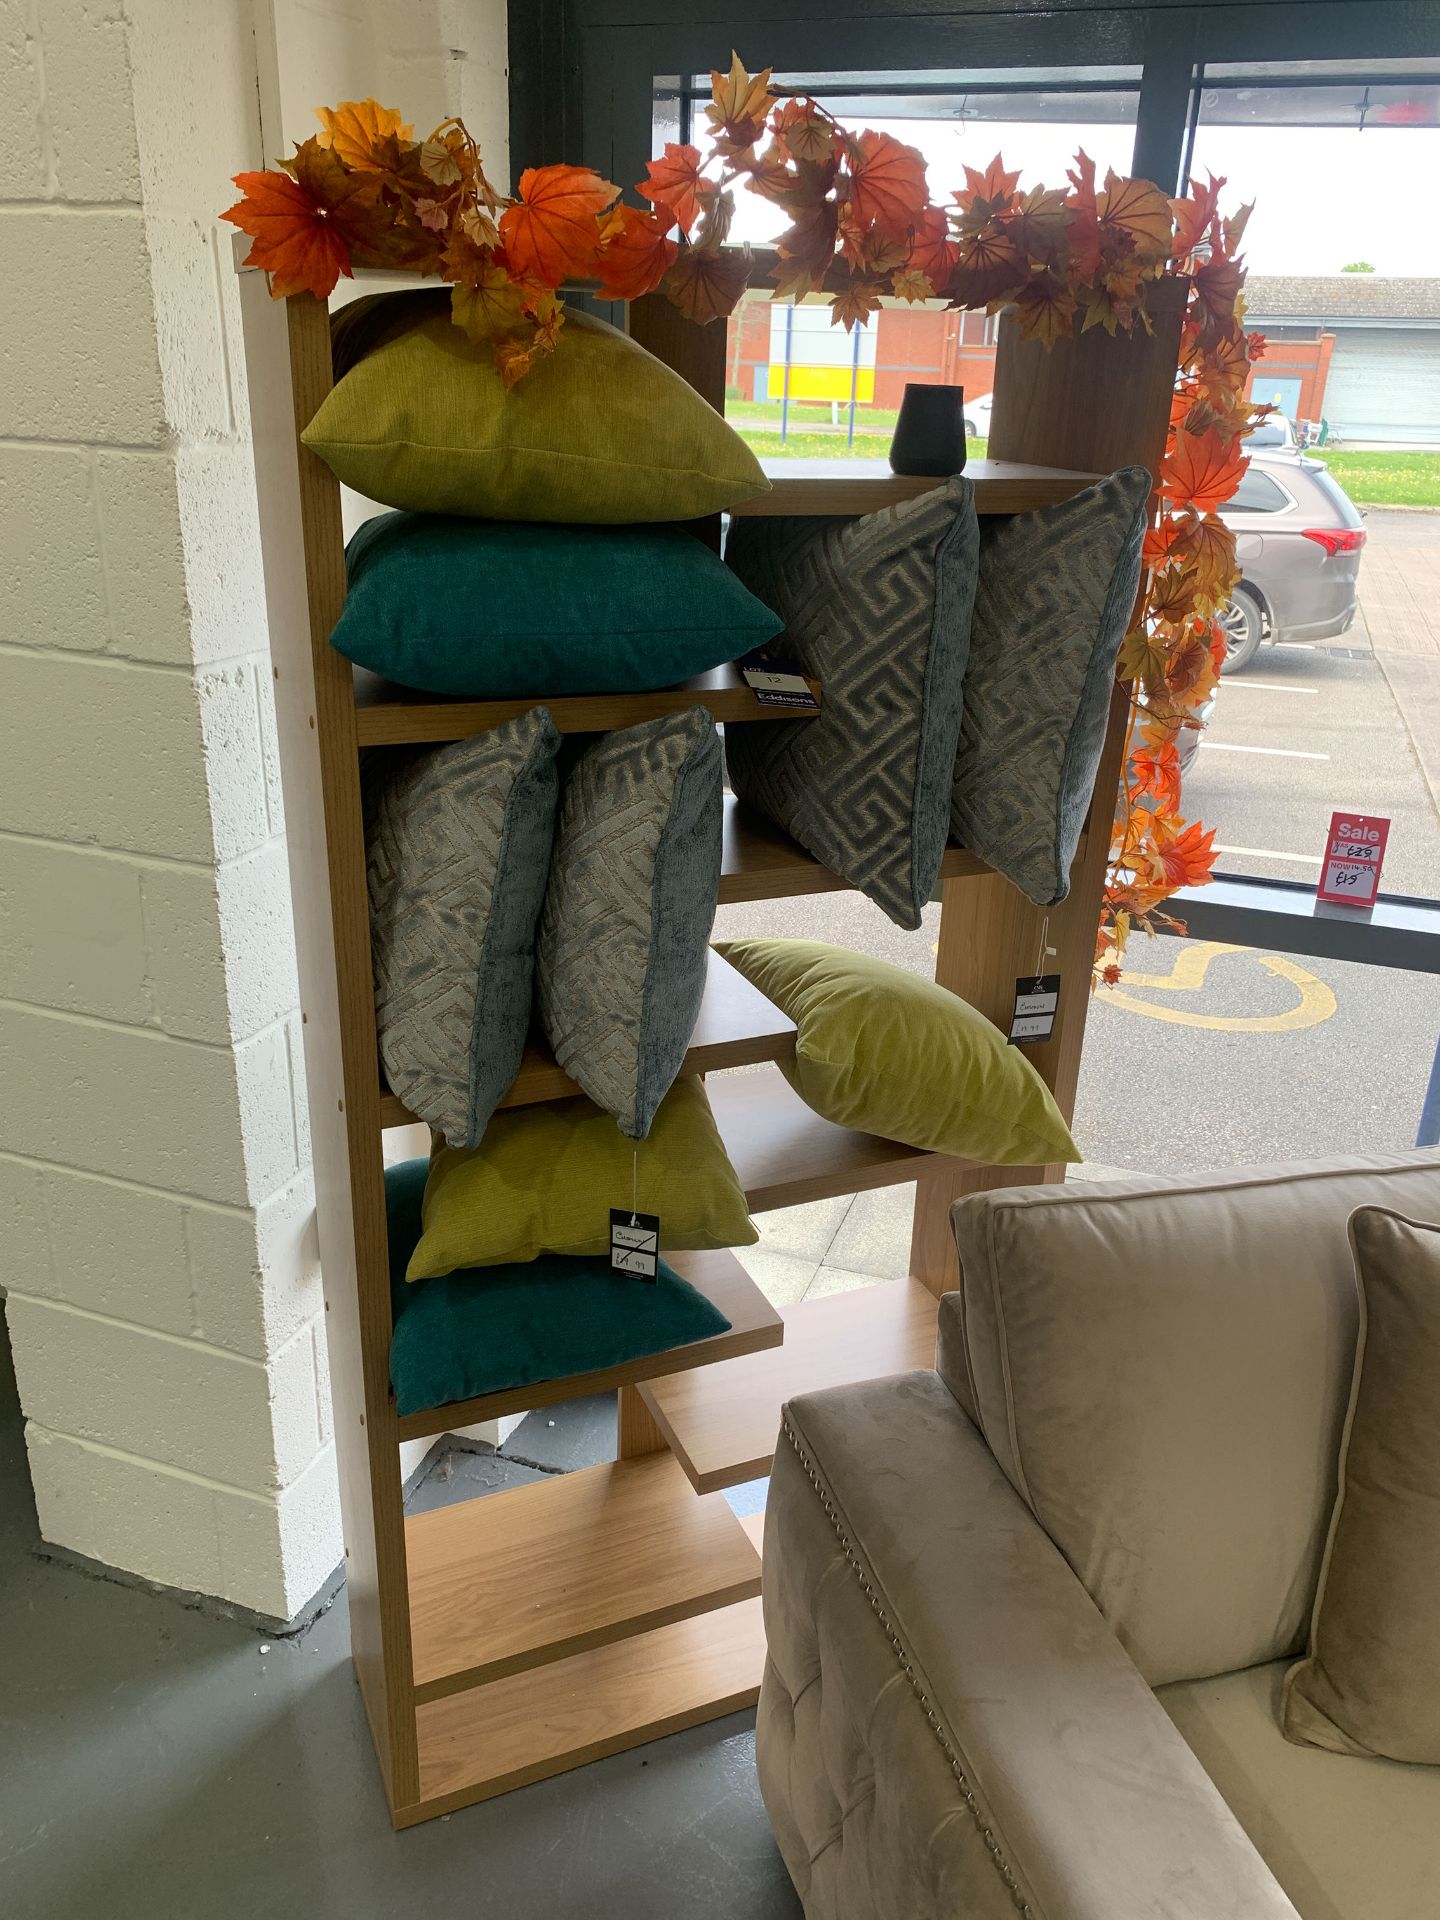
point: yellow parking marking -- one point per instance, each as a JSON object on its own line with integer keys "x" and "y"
{"x": 1316, "y": 1003}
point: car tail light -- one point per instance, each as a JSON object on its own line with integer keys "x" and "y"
{"x": 1336, "y": 539}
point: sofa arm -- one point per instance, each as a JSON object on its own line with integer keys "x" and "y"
{"x": 947, "y": 1724}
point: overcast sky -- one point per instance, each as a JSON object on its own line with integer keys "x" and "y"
{"x": 1324, "y": 195}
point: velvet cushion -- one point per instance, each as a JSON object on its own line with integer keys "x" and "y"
{"x": 547, "y": 1176}
{"x": 1161, "y": 1367}
{"x": 599, "y": 431}
{"x": 621, "y": 953}
{"x": 469, "y": 1333}
{"x": 497, "y": 610}
{"x": 1371, "y": 1681}
{"x": 881, "y": 1050}
{"x": 1054, "y": 598}
{"x": 457, "y": 854}
{"x": 878, "y": 610}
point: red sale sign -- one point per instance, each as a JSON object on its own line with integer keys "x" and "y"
{"x": 1354, "y": 852}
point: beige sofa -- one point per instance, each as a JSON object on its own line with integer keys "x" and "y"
{"x": 1028, "y": 1615}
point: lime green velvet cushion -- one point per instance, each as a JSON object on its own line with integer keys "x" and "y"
{"x": 544, "y": 1178}
{"x": 469, "y": 1333}
{"x": 883, "y": 1051}
{"x": 600, "y": 431}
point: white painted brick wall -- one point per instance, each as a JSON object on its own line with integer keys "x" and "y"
{"x": 157, "y": 1233}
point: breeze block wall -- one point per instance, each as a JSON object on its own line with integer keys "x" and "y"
{"x": 156, "y": 1212}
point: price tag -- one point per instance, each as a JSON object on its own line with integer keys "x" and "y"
{"x": 779, "y": 683}
{"x": 635, "y": 1243}
{"x": 1354, "y": 854}
{"x": 1036, "y": 999}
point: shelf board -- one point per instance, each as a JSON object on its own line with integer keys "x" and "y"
{"x": 736, "y": 1027}
{"x": 532, "y": 1725}
{"x": 759, "y": 861}
{"x": 722, "y": 1425}
{"x": 786, "y": 1154}
{"x": 865, "y": 486}
{"x": 388, "y": 715}
{"x": 754, "y": 1325}
{"x": 515, "y": 1580}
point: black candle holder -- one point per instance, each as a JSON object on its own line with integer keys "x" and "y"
{"x": 929, "y": 435}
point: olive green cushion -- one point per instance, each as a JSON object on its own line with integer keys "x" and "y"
{"x": 497, "y": 610}
{"x": 600, "y": 431}
{"x": 884, "y": 1051}
{"x": 468, "y": 1333}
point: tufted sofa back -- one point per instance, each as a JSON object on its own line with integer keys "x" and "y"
{"x": 1161, "y": 1368}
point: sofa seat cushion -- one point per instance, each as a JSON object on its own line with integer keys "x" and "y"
{"x": 1347, "y": 1838}
{"x": 1131, "y": 1350}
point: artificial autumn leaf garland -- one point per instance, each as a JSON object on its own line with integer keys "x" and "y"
{"x": 364, "y": 192}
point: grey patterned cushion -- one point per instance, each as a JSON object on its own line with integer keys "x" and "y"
{"x": 877, "y": 609}
{"x": 621, "y": 958}
{"x": 458, "y": 848}
{"x": 1055, "y": 595}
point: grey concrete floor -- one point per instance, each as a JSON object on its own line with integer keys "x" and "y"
{"x": 156, "y": 1765}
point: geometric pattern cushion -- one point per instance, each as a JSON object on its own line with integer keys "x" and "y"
{"x": 621, "y": 956}
{"x": 457, "y": 852}
{"x": 878, "y": 610}
{"x": 1053, "y": 602}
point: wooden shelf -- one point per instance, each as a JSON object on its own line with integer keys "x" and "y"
{"x": 754, "y": 1325}
{"x": 722, "y": 1425}
{"x": 388, "y": 715}
{"x": 532, "y": 1725}
{"x": 736, "y": 1027}
{"x": 865, "y": 486}
{"x": 785, "y": 1154}
{"x": 760, "y": 861}
{"x": 515, "y": 1580}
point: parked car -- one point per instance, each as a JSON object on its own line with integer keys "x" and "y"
{"x": 1298, "y": 537}
{"x": 977, "y": 417}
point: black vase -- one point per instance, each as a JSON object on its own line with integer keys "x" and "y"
{"x": 929, "y": 436}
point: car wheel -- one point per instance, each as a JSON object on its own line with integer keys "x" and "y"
{"x": 1241, "y": 624}
{"x": 970, "y": 433}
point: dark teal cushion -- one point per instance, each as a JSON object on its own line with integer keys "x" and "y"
{"x": 506, "y": 610}
{"x": 483, "y": 1329}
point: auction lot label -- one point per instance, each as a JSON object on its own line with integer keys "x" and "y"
{"x": 1354, "y": 853}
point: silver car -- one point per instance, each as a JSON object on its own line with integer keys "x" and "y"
{"x": 1298, "y": 538}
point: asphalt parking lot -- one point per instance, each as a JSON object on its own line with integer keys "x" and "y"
{"x": 1207, "y": 1057}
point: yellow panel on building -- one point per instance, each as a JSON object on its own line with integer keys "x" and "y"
{"x": 822, "y": 383}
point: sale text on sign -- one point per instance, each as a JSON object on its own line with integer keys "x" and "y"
{"x": 1354, "y": 851}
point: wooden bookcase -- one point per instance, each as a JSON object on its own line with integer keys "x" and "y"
{"x": 510, "y": 1638}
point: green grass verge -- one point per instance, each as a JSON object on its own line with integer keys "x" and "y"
{"x": 1385, "y": 479}
{"x": 828, "y": 446}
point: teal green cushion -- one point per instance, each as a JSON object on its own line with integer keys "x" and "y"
{"x": 505, "y": 610}
{"x": 483, "y": 1329}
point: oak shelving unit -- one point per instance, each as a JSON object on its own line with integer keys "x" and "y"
{"x": 510, "y": 1638}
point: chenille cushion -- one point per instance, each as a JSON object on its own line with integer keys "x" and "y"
{"x": 1052, "y": 605}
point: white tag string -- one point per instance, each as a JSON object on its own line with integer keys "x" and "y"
{"x": 634, "y": 1182}
{"x": 1045, "y": 951}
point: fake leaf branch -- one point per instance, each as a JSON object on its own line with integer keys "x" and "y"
{"x": 363, "y": 192}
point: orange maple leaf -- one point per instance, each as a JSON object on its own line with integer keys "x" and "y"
{"x": 636, "y": 254}
{"x": 931, "y": 253}
{"x": 1044, "y": 309}
{"x": 1185, "y": 852}
{"x": 854, "y": 306}
{"x": 805, "y": 133}
{"x": 554, "y": 231}
{"x": 304, "y": 226}
{"x": 995, "y": 186}
{"x": 355, "y": 128}
{"x": 1143, "y": 654}
{"x": 912, "y": 285}
{"x": 1156, "y": 770}
{"x": 485, "y": 301}
{"x": 1138, "y": 211}
{"x": 707, "y": 286}
{"x": 739, "y": 103}
{"x": 676, "y": 183}
{"x": 887, "y": 184}
{"x": 1217, "y": 286}
{"x": 1202, "y": 470}
{"x": 1083, "y": 234}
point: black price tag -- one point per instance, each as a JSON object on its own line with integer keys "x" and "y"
{"x": 779, "y": 683}
{"x": 1036, "y": 999}
{"x": 635, "y": 1243}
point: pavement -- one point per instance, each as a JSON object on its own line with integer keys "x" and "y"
{"x": 1208, "y": 1056}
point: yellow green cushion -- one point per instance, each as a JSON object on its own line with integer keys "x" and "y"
{"x": 600, "y": 431}
{"x": 544, "y": 1179}
{"x": 883, "y": 1051}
